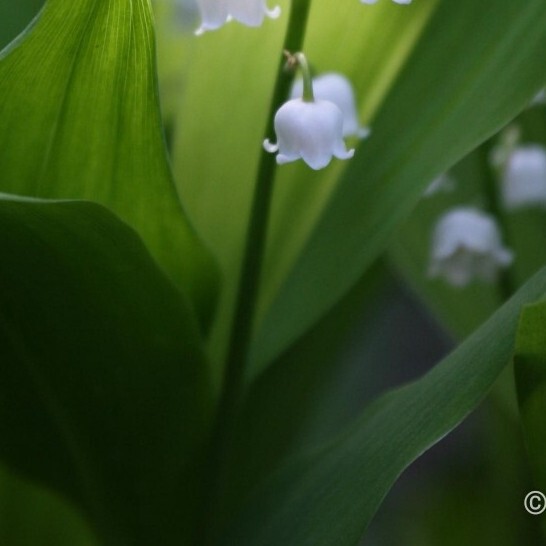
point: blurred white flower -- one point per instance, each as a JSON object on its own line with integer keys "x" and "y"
{"x": 397, "y": 1}
{"x": 215, "y": 13}
{"x": 524, "y": 178}
{"x": 443, "y": 183}
{"x": 467, "y": 245}
{"x": 337, "y": 89}
{"x": 310, "y": 130}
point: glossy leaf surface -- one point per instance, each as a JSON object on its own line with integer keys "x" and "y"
{"x": 328, "y": 497}
{"x": 104, "y": 390}
{"x": 80, "y": 119}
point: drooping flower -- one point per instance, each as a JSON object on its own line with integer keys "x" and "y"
{"x": 466, "y": 245}
{"x": 308, "y": 128}
{"x": 337, "y": 89}
{"x": 524, "y": 178}
{"x": 215, "y": 13}
{"x": 443, "y": 183}
{"x": 312, "y": 131}
{"x": 396, "y": 1}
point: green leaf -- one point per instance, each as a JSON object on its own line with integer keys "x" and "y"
{"x": 104, "y": 391}
{"x": 218, "y": 142}
{"x": 328, "y": 497}
{"x": 530, "y": 372}
{"x": 456, "y": 89}
{"x": 80, "y": 119}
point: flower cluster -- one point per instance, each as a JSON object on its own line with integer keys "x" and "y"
{"x": 307, "y": 128}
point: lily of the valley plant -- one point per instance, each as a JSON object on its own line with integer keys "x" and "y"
{"x": 224, "y": 249}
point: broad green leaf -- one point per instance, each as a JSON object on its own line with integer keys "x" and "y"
{"x": 530, "y": 372}
{"x": 328, "y": 497}
{"x": 80, "y": 119}
{"x": 218, "y": 141}
{"x": 455, "y": 90}
{"x": 104, "y": 390}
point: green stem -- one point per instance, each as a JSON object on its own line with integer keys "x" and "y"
{"x": 506, "y": 282}
{"x": 245, "y": 306}
{"x": 308, "y": 95}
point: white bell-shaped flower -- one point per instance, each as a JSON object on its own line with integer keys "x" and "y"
{"x": 524, "y": 178}
{"x": 337, "y": 89}
{"x": 310, "y": 130}
{"x": 396, "y": 1}
{"x": 467, "y": 245}
{"x": 215, "y": 13}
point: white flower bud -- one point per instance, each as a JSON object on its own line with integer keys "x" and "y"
{"x": 467, "y": 245}
{"x": 215, "y": 13}
{"x": 312, "y": 131}
{"x": 524, "y": 178}
{"x": 337, "y": 89}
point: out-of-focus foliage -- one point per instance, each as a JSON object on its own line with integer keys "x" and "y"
{"x": 30, "y": 514}
{"x": 530, "y": 371}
